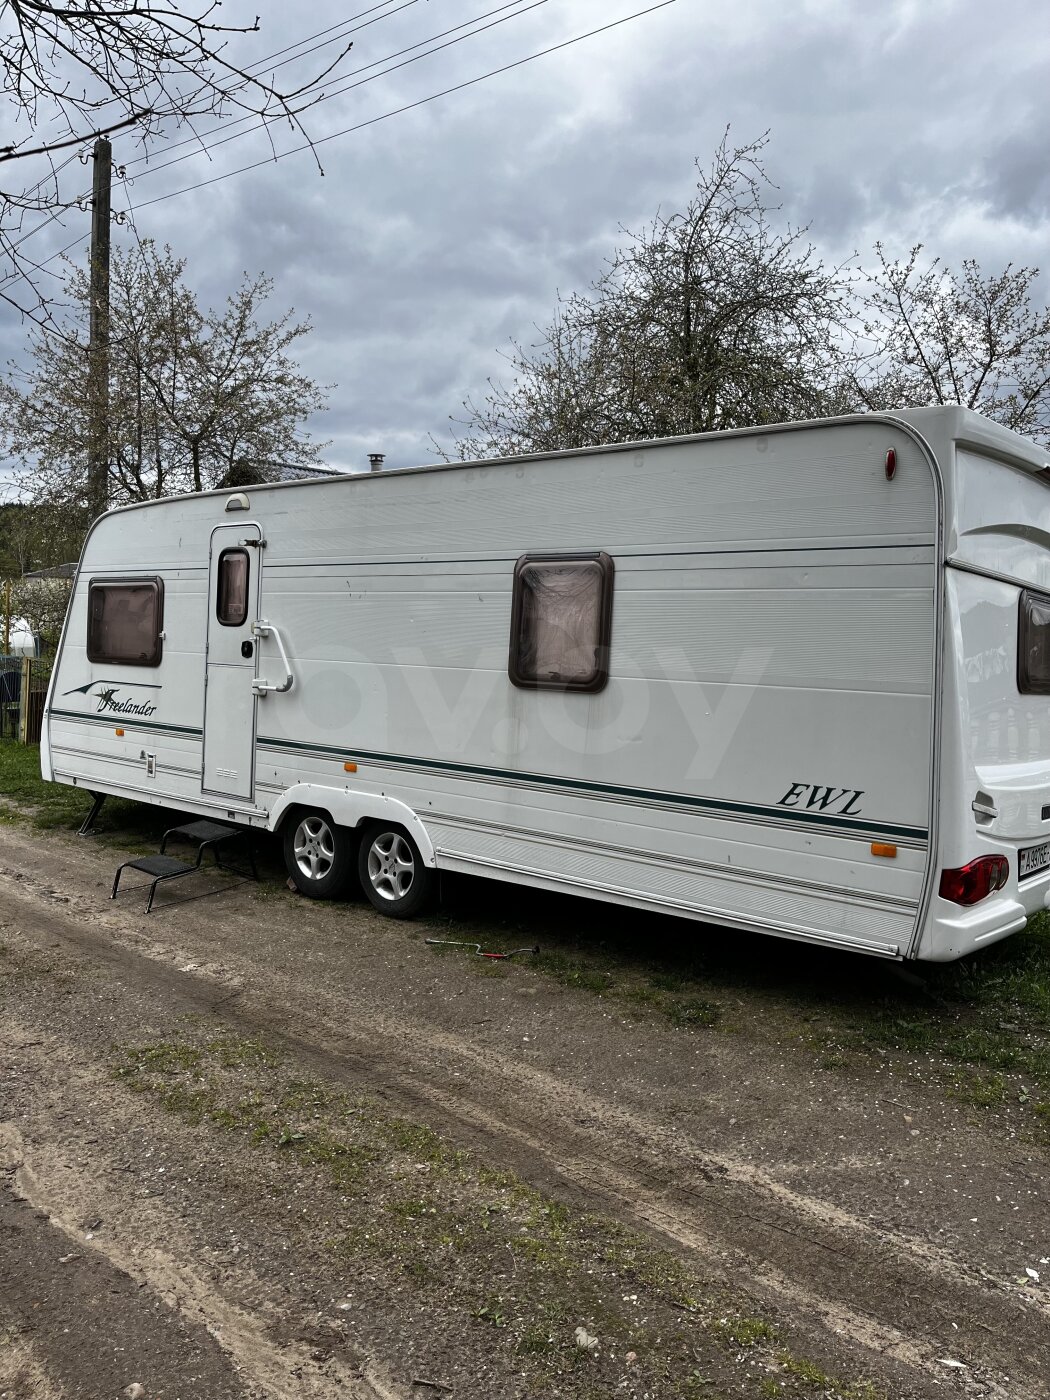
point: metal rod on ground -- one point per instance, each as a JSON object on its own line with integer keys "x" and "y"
{"x": 458, "y": 943}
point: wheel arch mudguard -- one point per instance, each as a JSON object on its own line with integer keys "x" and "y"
{"x": 347, "y": 808}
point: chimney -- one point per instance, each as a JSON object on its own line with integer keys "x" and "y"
{"x": 375, "y": 461}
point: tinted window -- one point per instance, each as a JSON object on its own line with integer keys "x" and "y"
{"x": 231, "y": 604}
{"x": 125, "y": 621}
{"x": 1033, "y": 645}
{"x": 561, "y": 619}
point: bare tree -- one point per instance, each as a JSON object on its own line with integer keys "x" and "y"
{"x": 71, "y": 71}
{"x": 934, "y": 335}
{"x": 193, "y": 394}
{"x": 710, "y": 318}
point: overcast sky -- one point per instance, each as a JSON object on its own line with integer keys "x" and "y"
{"x": 437, "y": 234}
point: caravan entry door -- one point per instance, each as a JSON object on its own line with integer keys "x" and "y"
{"x": 234, "y": 566}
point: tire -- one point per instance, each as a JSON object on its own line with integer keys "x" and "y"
{"x": 392, "y": 874}
{"x": 318, "y": 855}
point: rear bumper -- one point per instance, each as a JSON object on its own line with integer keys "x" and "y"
{"x": 953, "y": 931}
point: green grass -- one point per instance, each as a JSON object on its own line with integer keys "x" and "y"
{"x": 46, "y": 804}
{"x": 978, "y": 1028}
{"x": 25, "y": 797}
{"x": 644, "y": 990}
{"x": 744, "y": 1331}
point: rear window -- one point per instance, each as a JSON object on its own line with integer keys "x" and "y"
{"x": 1033, "y": 644}
{"x": 125, "y": 619}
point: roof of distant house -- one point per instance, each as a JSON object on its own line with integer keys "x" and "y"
{"x": 56, "y": 571}
{"x": 288, "y": 472}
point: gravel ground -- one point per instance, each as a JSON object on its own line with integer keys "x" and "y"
{"x": 256, "y": 1146}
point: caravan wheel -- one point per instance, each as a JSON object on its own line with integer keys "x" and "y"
{"x": 392, "y": 873}
{"x": 318, "y": 855}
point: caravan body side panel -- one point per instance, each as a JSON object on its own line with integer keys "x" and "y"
{"x": 769, "y": 713}
{"x": 769, "y": 708}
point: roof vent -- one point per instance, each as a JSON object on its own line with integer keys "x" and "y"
{"x": 375, "y": 461}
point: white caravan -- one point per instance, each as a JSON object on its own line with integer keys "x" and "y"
{"x": 793, "y": 680}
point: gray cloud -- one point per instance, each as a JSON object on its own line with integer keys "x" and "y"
{"x": 437, "y": 235}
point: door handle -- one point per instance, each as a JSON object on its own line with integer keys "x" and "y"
{"x": 261, "y": 628}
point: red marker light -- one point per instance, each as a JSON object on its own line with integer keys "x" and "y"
{"x": 891, "y": 463}
{"x": 974, "y": 882}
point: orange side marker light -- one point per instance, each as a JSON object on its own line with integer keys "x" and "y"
{"x": 349, "y": 767}
{"x": 119, "y": 733}
{"x": 883, "y": 848}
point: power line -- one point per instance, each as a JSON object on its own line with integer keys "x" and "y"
{"x": 372, "y": 121}
{"x": 248, "y": 73}
{"x": 258, "y": 119}
{"x": 261, "y": 63}
{"x": 407, "y": 107}
{"x": 18, "y": 275}
{"x": 11, "y": 247}
{"x": 344, "y": 25}
{"x": 202, "y": 147}
{"x": 41, "y": 321}
{"x": 336, "y": 92}
{"x": 41, "y": 266}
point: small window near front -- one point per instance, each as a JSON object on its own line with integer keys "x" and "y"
{"x": 231, "y": 603}
{"x": 125, "y": 620}
{"x": 1033, "y": 645}
{"x": 561, "y": 620}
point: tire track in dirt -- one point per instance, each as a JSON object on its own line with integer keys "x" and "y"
{"x": 288, "y": 1371}
{"x": 23, "y": 1373}
{"x": 810, "y": 1252}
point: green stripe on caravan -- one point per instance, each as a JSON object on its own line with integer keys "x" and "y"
{"x": 110, "y": 720}
{"x": 791, "y": 817}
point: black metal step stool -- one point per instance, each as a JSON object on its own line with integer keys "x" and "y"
{"x": 208, "y": 836}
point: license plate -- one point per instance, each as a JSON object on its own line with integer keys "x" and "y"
{"x": 1032, "y": 859}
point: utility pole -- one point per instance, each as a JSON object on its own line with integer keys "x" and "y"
{"x": 98, "y": 342}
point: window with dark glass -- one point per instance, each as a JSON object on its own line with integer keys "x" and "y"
{"x": 1033, "y": 645}
{"x": 231, "y": 604}
{"x": 125, "y": 620}
{"x": 561, "y": 619}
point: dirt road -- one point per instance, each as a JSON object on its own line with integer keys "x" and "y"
{"x": 255, "y": 1146}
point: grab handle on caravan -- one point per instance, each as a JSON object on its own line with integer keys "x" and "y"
{"x": 267, "y": 629}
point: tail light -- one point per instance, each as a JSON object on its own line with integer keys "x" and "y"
{"x": 972, "y": 883}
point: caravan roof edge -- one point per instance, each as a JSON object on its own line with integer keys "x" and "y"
{"x": 969, "y": 429}
{"x": 998, "y": 438}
